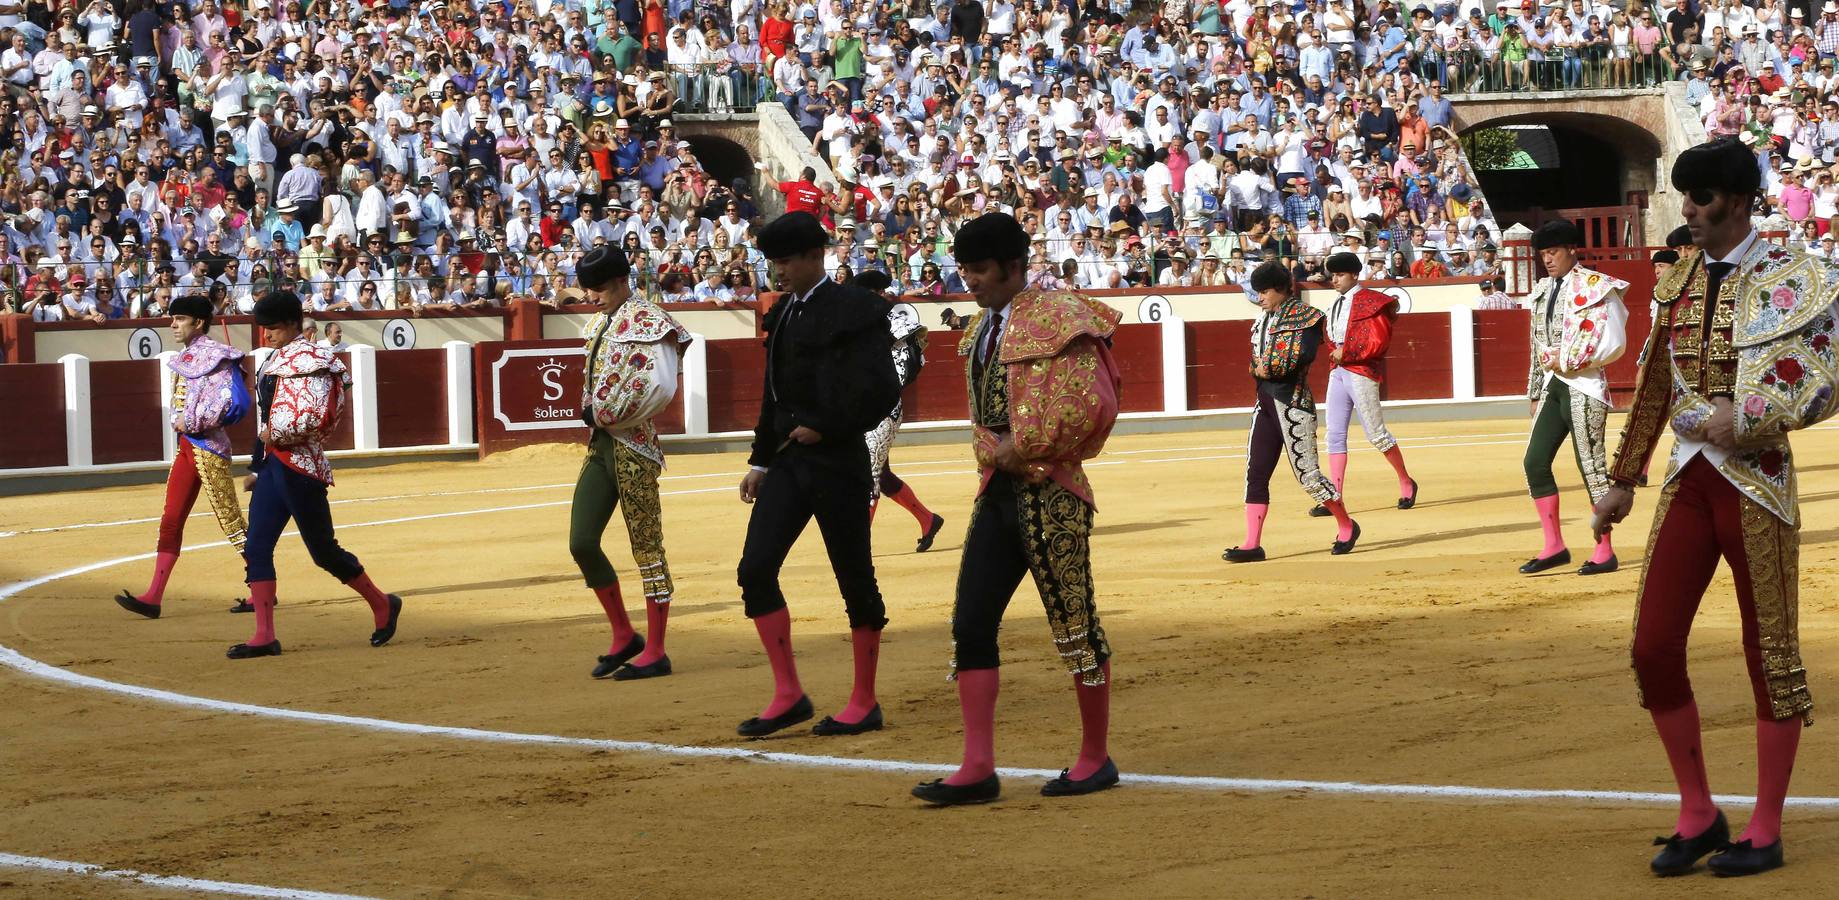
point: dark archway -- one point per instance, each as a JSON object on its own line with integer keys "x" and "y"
{"x": 1565, "y": 161}
{"x": 722, "y": 158}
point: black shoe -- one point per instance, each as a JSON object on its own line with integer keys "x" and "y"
{"x": 251, "y": 651}
{"x": 1347, "y": 546}
{"x": 925, "y": 541}
{"x": 657, "y": 669}
{"x": 938, "y": 793}
{"x": 1541, "y": 563}
{"x": 1682, "y": 854}
{"x": 1602, "y": 568}
{"x": 134, "y": 605}
{"x": 243, "y": 606}
{"x": 830, "y": 727}
{"x": 610, "y": 664}
{"x": 1105, "y": 777}
{"x": 382, "y": 635}
{"x": 1319, "y": 511}
{"x": 1409, "y": 502}
{"x": 1741, "y": 858}
{"x": 758, "y": 727}
{"x": 1237, "y": 555}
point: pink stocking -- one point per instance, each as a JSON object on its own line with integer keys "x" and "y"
{"x": 1094, "y": 725}
{"x": 1337, "y": 470}
{"x": 1776, "y": 743}
{"x": 162, "y": 570}
{"x": 1679, "y": 734}
{"x": 866, "y": 645}
{"x": 262, "y": 597}
{"x": 1344, "y": 523}
{"x": 775, "y": 630}
{"x": 1254, "y": 524}
{"x": 1548, "y": 520}
{"x": 977, "y": 704}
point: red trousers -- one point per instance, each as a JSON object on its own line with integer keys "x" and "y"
{"x": 194, "y": 470}
{"x": 1702, "y": 516}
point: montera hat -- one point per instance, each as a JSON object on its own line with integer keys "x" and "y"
{"x": 792, "y": 234}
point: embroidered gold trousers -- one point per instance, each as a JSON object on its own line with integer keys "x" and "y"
{"x": 1702, "y": 516}
{"x": 615, "y": 475}
{"x": 1020, "y": 529}
{"x": 195, "y": 471}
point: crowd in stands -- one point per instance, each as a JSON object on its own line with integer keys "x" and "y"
{"x": 407, "y": 155}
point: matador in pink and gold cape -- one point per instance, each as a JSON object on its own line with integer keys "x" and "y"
{"x": 1051, "y": 387}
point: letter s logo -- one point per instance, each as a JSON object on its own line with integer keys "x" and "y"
{"x": 550, "y": 374}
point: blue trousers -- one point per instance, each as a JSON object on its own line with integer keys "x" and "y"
{"x": 282, "y": 494}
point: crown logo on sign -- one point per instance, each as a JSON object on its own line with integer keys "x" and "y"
{"x": 551, "y": 366}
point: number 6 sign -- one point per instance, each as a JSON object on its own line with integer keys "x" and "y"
{"x": 399, "y": 334}
{"x": 144, "y": 343}
{"x": 1154, "y": 308}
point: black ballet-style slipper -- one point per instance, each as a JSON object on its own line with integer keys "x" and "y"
{"x": 1105, "y": 777}
{"x": 251, "y": 651}
{"x": 631, "y": 672}
{"x": 1243, "y": 555}
{"x": 1319, "y": 511}
{"x": 1600, "y": 568}
{"x": 134, "y": 605}
{"x": 829, "y": 727}
{"x": 758, "y": 727}
{"x": 611, "y": 663}
{"x": 1680, "y": 855}
{"x": 938, "y": 793}
{"x": 243, "y": 606}
{"x": 1541, "y": 563}
{"x": 1343, "y": 547}
{"x": 932, "y": 531}
{"x": 382, "y": 635}
{"x": 1745, "y": 858}
{"x": 1409, "y": 502}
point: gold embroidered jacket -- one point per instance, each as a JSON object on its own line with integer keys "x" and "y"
{"x": 1061, "y": 385}
{"x": 1577, "y": 331}
{"x": 631, "y": 375}
{"x": 1766, "y": 342}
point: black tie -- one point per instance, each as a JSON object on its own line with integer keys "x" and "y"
{"x": 990, "y": 336}
{"x": 1714, "y": 276}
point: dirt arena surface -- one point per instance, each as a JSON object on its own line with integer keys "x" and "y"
{"x": 1421, "y": 659}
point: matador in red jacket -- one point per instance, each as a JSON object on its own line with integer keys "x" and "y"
{"x": 1359, "y": 336}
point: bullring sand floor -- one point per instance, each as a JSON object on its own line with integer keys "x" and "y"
{"x": 1421, "y": 659}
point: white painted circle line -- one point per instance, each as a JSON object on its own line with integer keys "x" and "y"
{"x": 15, "y": 660}
{"x": 174, "y": 882}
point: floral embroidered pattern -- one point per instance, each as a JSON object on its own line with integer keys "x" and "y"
{"x": 631, "y": 373}
{"x": 311, "y": 385}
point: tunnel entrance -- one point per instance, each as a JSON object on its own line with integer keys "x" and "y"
{"x": 1596, "y": 170}
{"x": 723, "y": 159}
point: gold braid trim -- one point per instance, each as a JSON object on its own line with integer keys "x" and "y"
{"x": 1772, "y": 549}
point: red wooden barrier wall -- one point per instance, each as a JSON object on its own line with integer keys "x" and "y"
{"x": 415, "y": 381}
{"x": 35, "y": 416}
{"x": 737, "y": 372}
{"x": 124, "y": 410}
{"x": 1418, "y": 363}
{"x": 1218, "y": 355}
{"x": 1503, "y": 352}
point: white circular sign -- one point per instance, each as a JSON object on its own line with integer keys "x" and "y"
{"x": 1401, "y": 295}
{"x": 399, "y": 334}
{"x": 145, "y": 343}
{"x": 1154, "y": 308}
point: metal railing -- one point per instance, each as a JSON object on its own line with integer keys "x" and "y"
{"x": 704, "y": 90}
{"x": 1471, "y": 72}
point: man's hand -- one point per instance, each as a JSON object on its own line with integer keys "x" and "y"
{"x": 1721, "y": 429}
{"x": 805, "y": 436}
{"x": 1611, "y": 510}
{"x": 1532, "y": 409}
{"x": 262, "y": 434}
{"x": 1336, "y": 356}
{"x": 248, "y": 484}
{"x": 1007, "y": 459}
{"x": 750, "y": 484}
